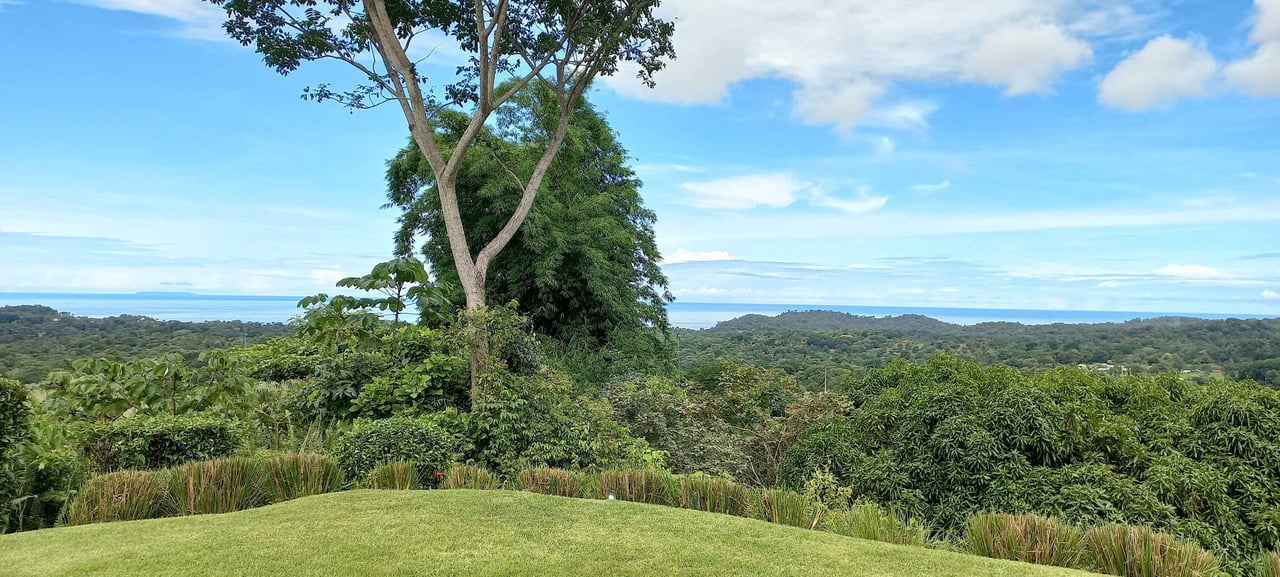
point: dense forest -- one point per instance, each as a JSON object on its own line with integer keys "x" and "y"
{"x": 35, "y": 340}
{"x": 823, "y": 348}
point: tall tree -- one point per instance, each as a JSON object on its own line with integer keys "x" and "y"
{"x": 563, "y": 43}
{"x": 584, "y": 267}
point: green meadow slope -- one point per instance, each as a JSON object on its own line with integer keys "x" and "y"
{"x": 403, "y": 533}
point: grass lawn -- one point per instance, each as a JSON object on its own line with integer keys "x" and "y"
{"x": 375, "y": 533}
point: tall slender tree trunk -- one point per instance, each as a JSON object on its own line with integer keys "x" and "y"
{"x": 474, "y": 289}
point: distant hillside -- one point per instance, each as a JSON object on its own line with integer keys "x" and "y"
{"x": 824, "y": 346}
{"x": 35, "y": 340}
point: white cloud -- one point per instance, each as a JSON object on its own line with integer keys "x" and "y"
{"x": 1270, "y": 295}
{"x": 1002, "y": 59}
{"x": 885, "y": 145}
{"x": 1165, "y": 70}
{"x": 864, "y": 203}
{"x": 683, "y": 256}
{"x": 844, "y": 57}
{"x": 776, "y": 190}
{"x": 1188, "y": 271}
{"x": 1259, "y": 74}
{"x": 1108, "y": 284}
{"x": 932, "y": 188}
{"x": 199, "y": 18}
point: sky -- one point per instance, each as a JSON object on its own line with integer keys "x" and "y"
{"x": 1043, "y": 154}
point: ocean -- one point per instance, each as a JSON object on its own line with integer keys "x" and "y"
{"x": 191, "y": 307}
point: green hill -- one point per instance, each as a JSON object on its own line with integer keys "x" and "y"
{"x": 374, "y": 533}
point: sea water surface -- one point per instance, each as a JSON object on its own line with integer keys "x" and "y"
{"x": 193, "y": 307}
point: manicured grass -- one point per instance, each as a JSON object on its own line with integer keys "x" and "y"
{"x": 461, "y": 532}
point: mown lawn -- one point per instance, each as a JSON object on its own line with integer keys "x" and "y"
{"x": 405, "y": 533}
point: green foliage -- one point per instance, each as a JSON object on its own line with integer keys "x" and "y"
{"x": 156, "y": 442}
{"x": 715, "y": 495}
{"x": 1269, "y": 565}
{"x": 15, "y": 410}
{"x": 783, "y": 507}
{"x": 947, "y": 439}
{"x": 584, "y": 266}
{"x": 1027, "y": 538}
{"x": 469, "y": 477}
{"x": 870, "y": 521}
{"x": 102, "y": 390}
{"x": 370, "y": 444}
{"x": 121, "y": 496}
{"x": 397, "y": 476}
{"x": 300, "y": 475}
{"x": 37, "y": 340}
{"x": 54, "y": 471}
{"x": 217, "y": 486}
{"x": 1142, "y": 552}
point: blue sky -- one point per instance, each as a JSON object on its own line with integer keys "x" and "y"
{"x": 1058, "y": 154}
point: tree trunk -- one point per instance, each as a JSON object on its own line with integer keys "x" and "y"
{"x": 474, "y": 289}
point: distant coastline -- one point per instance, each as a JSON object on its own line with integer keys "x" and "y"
{"x": 182, "y": 306}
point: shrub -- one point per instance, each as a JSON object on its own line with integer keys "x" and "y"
{"x": 14, "y": 413}
{"x": 157, "y": 442}
{"x": 715, "y": 496}
{"x": 400, "y": 476}
{"x": 783, "y": 507}
{"x": 1269, "y": 565}
{"x": 121, "y": 496}
{"x": 469, "y": 477}
{"x": 1026, "y": 538}
{"x": 872, "y": 522}
{"x": 218, "y": 486}
{"x": 293, "y": 476}
{"x": 640, "y": 486}
{"x": 370, "y": 444}
{"x": 1142, "y": 552}
{"x": 558, "y": 482}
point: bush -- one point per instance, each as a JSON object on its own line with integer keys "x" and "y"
{"x": 872, "y": 522}
{"x": 302, "y": 475}
{"x": 14, "y": 414}
{"x": 370, "y": 444}
{"x": 157, "y": 442}
{"x": 1027, "y": 538}
{"x": 469, "y": 477}
{"x": 783, "y": 507}
{"x": 558, "y": 482}
{"x": 715, "y": 496}
{"x": 219, "y": 486}
{"x": 121, "y": 496}
{"x": 640, "y": 486}
{"x": 398, "y": 476}
{"x": 1142, "y": 552}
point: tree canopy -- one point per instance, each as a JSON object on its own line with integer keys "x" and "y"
{"x": 584, "y": 267}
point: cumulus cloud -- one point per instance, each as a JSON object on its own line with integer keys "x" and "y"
{"x": 1002, "y": 59}
{"x": 844, "y": 57}
{"x": 864, "y": 203}
{"x": 776, "y": 190}
{"x": 1188, "y": 271}
{"x": 1165, "y": 70}
{"x": 1270, "y": 295}
{"x": 1259, "y": 74}
{"x": 682, "y": 256}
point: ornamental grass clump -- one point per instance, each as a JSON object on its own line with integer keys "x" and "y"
{"x": 640, "y": 486}
{"x": 558, "y": 482}
{"x": 1027, "y": 538}
{"x": 469, "y": 477}
{"x": 400, "y": 476}
{"x": 294, "y": 476}
{"x": 1143, "y": 552}
{"x": 121, "y": 496}
{"x": 217, "y": 486}
{"x": 784, "y": 508}
{"x": 715, "y": 496}
{"x": 1269, "y": 565}
{"x": 872, "y": 522}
